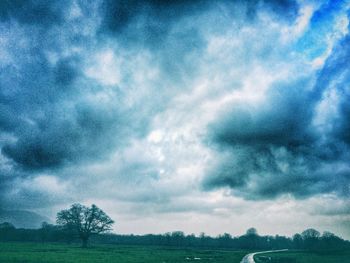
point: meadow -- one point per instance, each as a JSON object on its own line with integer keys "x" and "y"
{"x": 340, "y": 256}
{"x": 63, "y": 253}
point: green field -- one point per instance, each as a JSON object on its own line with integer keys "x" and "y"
{"x": 342, "y": 256}
{"x": 40, "y": 253}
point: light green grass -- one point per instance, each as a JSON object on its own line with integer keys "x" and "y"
{"x": 342, "y": 256}
{"x": 60, "y": 253}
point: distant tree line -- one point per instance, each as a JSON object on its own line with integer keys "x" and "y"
{"x": 309, "y": 239}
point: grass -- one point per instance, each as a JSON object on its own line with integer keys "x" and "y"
{"x": 61, "y": 253}
{"x": 342, "y": 256}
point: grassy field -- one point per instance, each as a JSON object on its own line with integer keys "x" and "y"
{"x": 40, "y": 253}
{"x": 342, "y": 256}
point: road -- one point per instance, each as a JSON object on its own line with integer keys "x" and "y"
{"x": 250, "y": 257}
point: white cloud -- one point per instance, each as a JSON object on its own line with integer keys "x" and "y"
{"x": 105, "y": 68}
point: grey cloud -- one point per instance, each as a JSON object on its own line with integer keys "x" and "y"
{"x": 150, "y": 23}
{"x": 278, "y": 122}
{"x": 276, "y": 149}
{"x": 45, "y": 96}
{"x": 66, "y": 72}
{"x": 56, "y": 139}
{"x": 286, "y": 10}
{"x": 36, "y": 12}
{"x": 339, "y": 67}
{"x": 18, "y": 194}
{"x": 156, "y": 16}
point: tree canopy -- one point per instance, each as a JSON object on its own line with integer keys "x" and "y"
{"x": 84, "y": 221}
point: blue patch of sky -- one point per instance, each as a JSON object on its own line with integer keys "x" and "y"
{"x": 323, "y": 22}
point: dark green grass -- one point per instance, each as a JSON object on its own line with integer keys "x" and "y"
{"x": 341, "y": 256}
{"x": 61, "y": 253}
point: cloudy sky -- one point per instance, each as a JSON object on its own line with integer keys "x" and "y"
{"x": 200, "y": 116}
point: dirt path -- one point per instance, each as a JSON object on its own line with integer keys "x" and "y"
{"x": 250, "y": 257}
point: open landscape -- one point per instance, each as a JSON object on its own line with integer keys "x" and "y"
{"x": 19, "y": 252}
{"x": 83, "y": 234}
{"x": 170, "y": 131}
{"x": 59, "y": 253}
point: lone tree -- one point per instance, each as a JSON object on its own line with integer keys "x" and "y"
{"x": 84, "y": 221}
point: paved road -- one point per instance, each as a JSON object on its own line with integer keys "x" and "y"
{"x": 250, "y": 257}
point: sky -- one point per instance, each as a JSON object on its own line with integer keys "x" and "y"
{"x": 197, "y": 116}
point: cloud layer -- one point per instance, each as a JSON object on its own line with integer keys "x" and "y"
{"x": 197, "y": 109}
{"x": 293, "y": 142}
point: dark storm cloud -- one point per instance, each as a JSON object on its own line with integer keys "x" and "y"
{"x": 173, "y": 30}
{"x": 149, "y": 22}
{"x": 45, "y": 98}
{"x": 276, "y": 123}
{"x": 36, "y": 12}
{"x": 48, "y": 111}
{"x": 32, "y": 91}
{"x": 156, "y": 16}
{"x": 276, "y": 148}
{"x": 65, "y": 72}
{"x": 284, "y": 9}
{"x": 339, "y": 68}
{"x": 22, "y": 191}
{"x": 56, "y": 138}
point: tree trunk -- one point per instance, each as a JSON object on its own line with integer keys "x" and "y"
{"x": 85, "y": 242}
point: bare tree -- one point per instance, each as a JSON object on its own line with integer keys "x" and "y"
{"x": 85, "y": 221}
